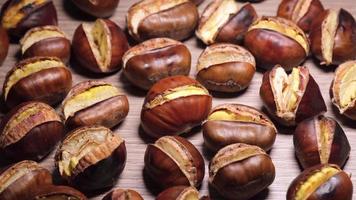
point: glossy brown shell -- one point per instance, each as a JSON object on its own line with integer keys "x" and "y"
{"x": 123, "y": 194}
{"x": 173, "y": 193}
{"x": 98, "y": 8}
{"x": 4, "y": 44}
{"x": 58, "y": 193}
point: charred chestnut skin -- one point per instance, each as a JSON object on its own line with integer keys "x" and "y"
{"x": 101, "y": 8}
{"x": 123, "y": 194}
{"x": 57, "y": 192}
{"x": 174, "y": 193}
{"x": 4, "y": 44}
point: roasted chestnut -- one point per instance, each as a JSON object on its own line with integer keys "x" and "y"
{"x": 175, "y": 19}
{"x": 44, "y": 79}
{"x": 240, "y": 171}
{"x": 154, "y": 59}
{"x": 225, "y": 21}
{"x": 274, "y": 40}
{"x": 291, "y": 98}
{"x": 321, "y": 182}
{"x": 179, "y": 193}
{"x": 225, "y": 68}
{"x": 4, "y": 45}
{"x": 30, "y": 131}
{"x": 94, "y": 103}
{"x": 174, "y": 105}
{"x": 333, "y": 37}
{"x": 51, "y": 192}
{"x": 91, "y": 158}
{"x": 21, "y": 179}
{"x": 46, "y": 41}
{"x": 99, "y": 47}
{"x": 97, "y": 8}
{"x": 173, "y": 161}
{"x": 18, "y": 16}
{"x": 123, "y": 194}
{"x": 320, "y": 140}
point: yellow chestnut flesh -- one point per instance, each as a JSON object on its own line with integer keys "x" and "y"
{"x": 301, "y": 8}
{"x": 347, "y": 91}
{"x": 189, "y": 194}
{"x": 329, "y": 28}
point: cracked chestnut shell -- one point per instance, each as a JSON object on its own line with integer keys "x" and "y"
{"x": 275, "y": 40}
{"x": 4, "y": 44}
{"x": 291, "y": 98}
{"x": 173, "y": 161}
{"x": 174, "y": 19}
{"x": 179, "y": 193}
{"x": 20, "y": 180}
{"x": 225, "y": 21}
{"x": 44, "y": 79}
{"x": 333, "y": 37}
{"x": 18, "y": 16}
{"x": 97, "y": 8}
{"x": 237, "y": 123}
{"x": 155, "y": 59}
{"x": 99, "y": 46}
{"x": 240, "y": 171}
{"x": 94, "y": 103}
{"x": 174, "y": 105}
{"x": 91, "y": 158}
{"x": 225, "y": 68}
{"x": 321, "y": 182}
{"x": 123, "y": 194}
{"x": 30, "y": 131}
{"x": 320, "y": 140}
{"x": 52, "y": 192}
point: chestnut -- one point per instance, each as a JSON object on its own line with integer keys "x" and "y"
{"x": 179, "y": 193}
{"x": 94, "y": 103}
{"x": 320, "y": 140}
{"x": 321, "y": 182}
{"x": 91, "y": 158}
{"x": 21, "y": 179}
{"x": 197, "y": 2}
{"x": 154, "y": 59}
{"x": 123, "y": 194}
{"x": 240, "y": 171}
{"x": 18, "y": 16}
{"x": 173, "y": 161}
{"x": 174, "y": 105}
{"x": 51, "y": 192}
{"x": 4, "y": 44}
{"x": 225, "y": 68}
{"x": 175, "y": 19}
{"x": 275, "y": 40}
{"x": 99, "y": 47}
{"x": 225, "y": 21}
{"x": 237, "y": 123}
{"x": 333, "y": 37}
{"x": 46, "y": 41}
{"x": 97, "y": 8}
{"x": 302, "y": 12}
{"x": 291, "y": 98}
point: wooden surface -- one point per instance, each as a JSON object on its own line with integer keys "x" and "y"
{"x": 282, "y": 152}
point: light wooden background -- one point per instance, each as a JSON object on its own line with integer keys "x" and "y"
{"x": 282, "y": 152}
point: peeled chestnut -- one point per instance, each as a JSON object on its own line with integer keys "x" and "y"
{"x": 320, "y": 140}
{"x": 91, "y": 158}
{"x": 52, "y": 192}
{"x": 173, "y": 161}
{"x": 20, "y": 180}
{"x": 225, "y": 67}
{"x": 4, "y": 45}
{"x": 291, "y": 98}
{"x": 18, "y": 16}
{"x": 237, "y": 123}
{"x": 225, "y": 21}
{"x": 275, "y": 40}
{"x": 97, "y": 8}
{"x": 333, "y": 37}
{"x": 174, "y": 19}
{"x": 154, "y": 59}
{"x": 179, "y": 193}
{"x": 99, "y": 46}
{"x": 94, "y": 103}
{"x": 174, "y": 105}
{"x": 46, "y": 41}
{"x": 321, "y": 182}
{"x": 123, "y": 194}
{"x": 240, "y": 171}
{"x": 30, "y": 131}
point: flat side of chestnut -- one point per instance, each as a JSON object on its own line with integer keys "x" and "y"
{"x": 49, "y": 192}
{"x": 179, "y": 193}
{"x": 123, "y": 194}
{"x": 101, "y": 8}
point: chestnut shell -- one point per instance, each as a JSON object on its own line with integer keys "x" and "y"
{"x": 173, "y": 193}
{"x": 123, "y": 194}
{"x": 57, "y": 192}
{"x": 98, "y": 8}
{"x": 4, "y": 44}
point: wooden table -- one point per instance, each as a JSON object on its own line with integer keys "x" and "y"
{"x": 282, "y": 152}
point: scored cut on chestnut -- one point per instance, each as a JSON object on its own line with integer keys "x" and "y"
{"x": 99, "y": 46}
{"x": 97, "y": 8}
{"x": 174, "y": 105}
{"x": 155, "y": 59}
{"x": 4, "y": 44}
{"x": 291, "y": 98}
{"x": 123, "y": 194}
{"x": 179, "y": 193}
{"x": 320, "y": 140}
{"x": 225, "y": 67}
{"x": 52, "y": 192}
{"x": 173, "y": 161}
{"x": 225, "y": 21}
{"x": 94, "y": 103}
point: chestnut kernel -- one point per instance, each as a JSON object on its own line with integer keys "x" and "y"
{"x": 123, "y": 194}
{"x": 240, "y": 171}
{"x": 155, "y": 59}
{"x": 174, "y": 105}
{"x": 97, "y": 8}
{"x": 99, "y": 46}
{"x": 291, "y": 98}
{"x": 225, "y": 68}
{"x": 50, "y": 192}
{"x": 4, "y": 44}
{"x": 173, "y": 161}
{"x": 179, "y": 193}
{"x": 225, "y": 21}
